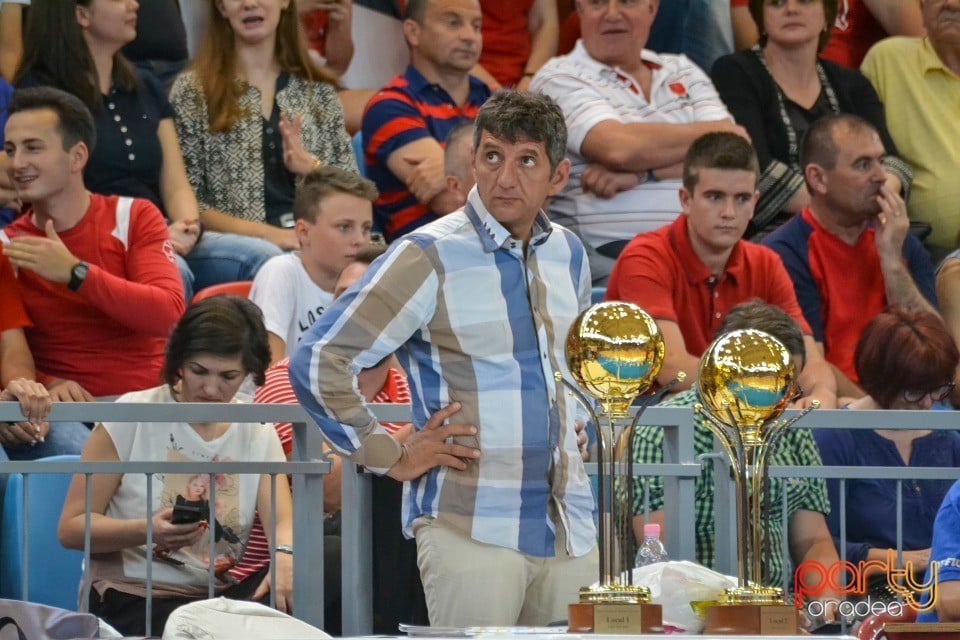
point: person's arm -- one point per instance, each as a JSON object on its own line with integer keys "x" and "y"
{"x": 745, "y": 33}
{"x": 282, "y": 537}
{"x": 948, "y": 604}
{"x": 16, "y": 361}
{"x": 366, "y": 324}
{"x": 338, "y": 48}
{"x": 11, "y": 38}
{"x": 810, "y": 541}
{"x": 480, "y": 73}
{"x": 113, "y": 534}
{"x": 676, "y": 357}
{"x": 544, "y": 27}
{"x": 816, "y": 378}
{"x": 419, "y": 165}
{"x": 898, "y": 18}
{"x": 892, "y": 226}
{"x": 177, "y": 195}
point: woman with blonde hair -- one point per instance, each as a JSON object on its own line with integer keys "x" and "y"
{"x": 253, "y": 114}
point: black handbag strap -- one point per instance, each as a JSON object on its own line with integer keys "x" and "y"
{"x": 5, "y": 620}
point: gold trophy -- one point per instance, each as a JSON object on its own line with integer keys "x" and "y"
{"x": 747, "y": 379}
{"x": 614, "y": 351}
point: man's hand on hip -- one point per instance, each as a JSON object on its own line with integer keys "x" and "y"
{"x": 428, "y": 447}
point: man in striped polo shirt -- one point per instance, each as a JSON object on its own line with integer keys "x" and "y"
{"x": 477, "y": 305}
{"x": 406, "y": 122}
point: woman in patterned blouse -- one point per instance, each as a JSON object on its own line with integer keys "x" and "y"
{"x": 253, "y": 114}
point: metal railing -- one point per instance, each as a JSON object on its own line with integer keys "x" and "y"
{"x": 680, "y": 468}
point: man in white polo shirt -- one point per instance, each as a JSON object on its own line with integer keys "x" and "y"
{"x": 631, "y": 114}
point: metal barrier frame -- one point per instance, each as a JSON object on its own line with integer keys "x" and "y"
{"x": 680, "y": 468}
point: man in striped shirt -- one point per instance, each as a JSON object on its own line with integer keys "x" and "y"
{"x": 406, "y": 122}
{"x": 478, "y": 305}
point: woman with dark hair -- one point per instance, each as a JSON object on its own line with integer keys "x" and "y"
{"x": 76, "y": 46}
{"x": 253, "y": 113}
{"x": 214, "y": 346}
{"x": 905, "y": 359}
{"x": 780, "y": 86}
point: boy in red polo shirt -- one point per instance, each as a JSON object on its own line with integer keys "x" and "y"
{"x": 689, "y": 273}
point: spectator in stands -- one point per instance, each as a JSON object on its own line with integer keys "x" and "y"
{"x": 332, "y": 210}
{"x": 779, "y": 87}
{"x": 77, "y": 48}
{"x": 406, "y": 122}
{"x": 162, "y": 52}
{"x": 253, "y": 115}
{"x": 33, "y": 437}
{"x": 458, "y": 162}
{"x": 918, "y": 80}
{"x": 96, "y": 273}
{"x": 948, "y": 293}
{"x": 395, "y": 558}
{"x": 905, "y": 359}
{"x": 465, "y": 301}
{"x": 327, "y": 25}
{"x": 518, "y": 38}
{"x": 862, "y": 23}
{"x": 215, "y": 345}
{"x": 807, "y": 535}
{"x": 945, "y": 552}
{"x": 631, "y": 114}
{"x": 689, "y": 273}
{"x": 849, "y": 254}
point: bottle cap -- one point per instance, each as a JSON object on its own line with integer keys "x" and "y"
{"x": 651, "y": 531}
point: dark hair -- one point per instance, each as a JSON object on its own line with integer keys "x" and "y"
{"x": 75, "y": 124}
{"x": 521, "y": 115}
{"x": 818, "y": 145}
{"x": 416, "y": 10}
{"x": 904, "y": 349}
{"x": 324, "y": 182}
{"x": 757, "y": 314}
{"x": 718, "y": 150}
{"x": 829, "y": 15}
{"x": 223, "y": 325}
{"x": 54, "y": 50}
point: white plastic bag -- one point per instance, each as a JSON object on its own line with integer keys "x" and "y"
{"x": 675, "y": 584}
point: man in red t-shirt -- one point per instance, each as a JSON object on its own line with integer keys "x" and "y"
{"x": 688, "y": 274}
{"x": 96, "y": 273}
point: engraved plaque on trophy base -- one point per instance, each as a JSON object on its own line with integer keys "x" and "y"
{"x": 752, "y": 619}
{"x": 616, "y": 618}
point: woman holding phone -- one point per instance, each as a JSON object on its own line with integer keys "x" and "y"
{"x": 214, "y": 346}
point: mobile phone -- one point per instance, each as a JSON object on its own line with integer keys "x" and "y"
{"x": 186, "y": 514}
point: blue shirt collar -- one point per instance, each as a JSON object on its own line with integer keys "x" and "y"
{"x": 494, "y": 235}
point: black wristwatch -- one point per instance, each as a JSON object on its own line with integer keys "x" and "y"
{"x": 77, "y": 275}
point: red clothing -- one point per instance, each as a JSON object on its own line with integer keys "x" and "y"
{"x": 660, "y": 272}
{"x": 854, "y": 32}
{"x": 276, "y": 389}
{"x": 109, "y": 335}
{"x": 506, "y": 39}
{"x": 315, "y": 26}
{"x": 12, "y": 313}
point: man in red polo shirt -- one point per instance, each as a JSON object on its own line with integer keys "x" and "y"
{"x": 689, "y": 273}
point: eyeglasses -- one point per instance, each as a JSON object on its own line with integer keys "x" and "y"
{"x": 936, "y": 395}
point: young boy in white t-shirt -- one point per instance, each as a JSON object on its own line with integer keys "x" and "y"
{"x": 333, "y": 213}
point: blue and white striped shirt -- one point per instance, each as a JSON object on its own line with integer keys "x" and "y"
{"x": 475, "y": 321}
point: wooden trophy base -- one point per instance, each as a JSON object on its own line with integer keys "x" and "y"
{"x": 925, "y": 631}
{"x": 618, "y": 618}
{"x": 752, "y": 619}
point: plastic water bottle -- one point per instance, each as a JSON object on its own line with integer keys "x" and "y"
{"x": 651, "y": 550}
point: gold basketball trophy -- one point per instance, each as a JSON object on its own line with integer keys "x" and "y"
{"x": 747, "y": 379}
{"x": 614, "y": 352}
